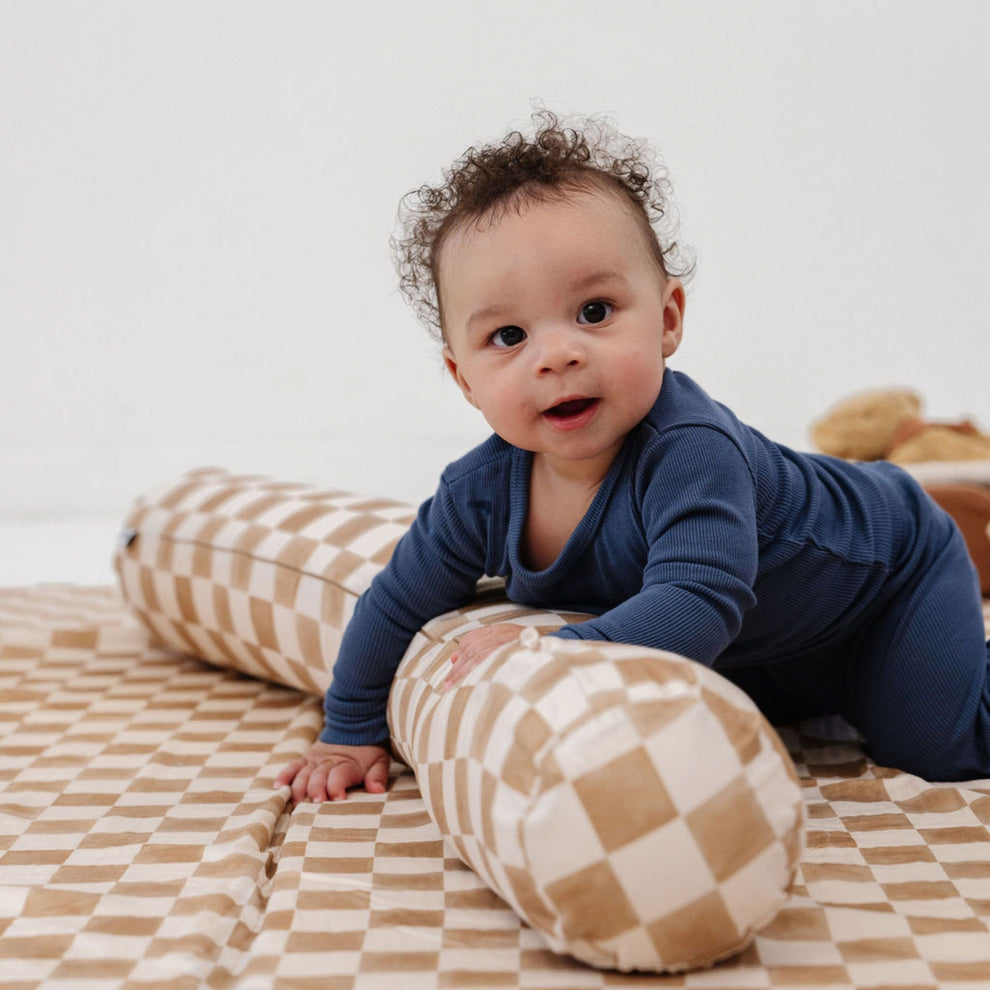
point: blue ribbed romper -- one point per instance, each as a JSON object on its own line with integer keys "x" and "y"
{"x": 815, "y": 584}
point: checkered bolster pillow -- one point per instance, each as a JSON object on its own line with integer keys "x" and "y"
{"x": 631, "y": 805}
{"x": 255, "y": 574}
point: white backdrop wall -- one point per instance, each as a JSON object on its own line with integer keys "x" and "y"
{"x": 196, "y": 198}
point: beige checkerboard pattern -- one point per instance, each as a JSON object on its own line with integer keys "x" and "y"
{"x": 632, "y": 806}
{"x": 263, "y": 576}
{"x": 255, "y": 574}
{"x": 141, "y": 846}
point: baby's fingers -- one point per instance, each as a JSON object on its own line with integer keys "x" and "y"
{"x": 460, "y": 667}
{"x": 300, "y": 784}
{"x": 288, "y": 773}
{"x": 316, "y": 786}
{"x": 339, "y": 778}
{"x": 376, "y": 779}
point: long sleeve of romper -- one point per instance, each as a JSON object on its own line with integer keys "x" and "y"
{"x": 434, "y": 568}
{"x": 697, "y": 504}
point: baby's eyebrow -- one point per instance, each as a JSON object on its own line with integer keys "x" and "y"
{"x": 596, "y": 277}
{"x": 584, "y": 281}
{"x": 485, "y": 313}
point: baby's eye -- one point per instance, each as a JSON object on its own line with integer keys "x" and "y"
{"x": 595, "y": 312}
{"x": 508, "y": 336}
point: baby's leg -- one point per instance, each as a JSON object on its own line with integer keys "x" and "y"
{"x": 795, "y": 688}
{"x": 919, "y": 685}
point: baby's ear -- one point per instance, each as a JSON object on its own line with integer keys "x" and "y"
{"x": 674, "y": 300}
{"x": 455, "y": 372}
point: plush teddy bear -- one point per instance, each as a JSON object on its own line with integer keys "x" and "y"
{"x": 915, "y": 442}
{"x": 861, "y": 427}
{"x": 887, "y": 425}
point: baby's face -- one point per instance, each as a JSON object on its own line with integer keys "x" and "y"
{"x": 558, "y": 322}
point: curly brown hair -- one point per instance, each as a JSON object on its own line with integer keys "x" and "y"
{"x": 561, "y": 157}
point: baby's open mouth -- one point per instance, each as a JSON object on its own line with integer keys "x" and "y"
{"x": 572, "y": 407}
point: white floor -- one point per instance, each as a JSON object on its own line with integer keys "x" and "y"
{"x": 74, "y": 551}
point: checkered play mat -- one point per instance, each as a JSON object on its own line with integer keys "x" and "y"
{"x": 142, "y": 845}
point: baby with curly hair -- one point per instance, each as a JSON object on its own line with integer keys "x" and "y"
{"x": 616, "y": 486}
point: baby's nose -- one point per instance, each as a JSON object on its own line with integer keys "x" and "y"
{"x": 560, "y": 349}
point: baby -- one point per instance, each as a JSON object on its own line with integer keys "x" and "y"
{"x": 615, "y": 486}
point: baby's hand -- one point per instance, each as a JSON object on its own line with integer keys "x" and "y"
{"x": 474, "y": 646}
{"x": 326, "y": 770}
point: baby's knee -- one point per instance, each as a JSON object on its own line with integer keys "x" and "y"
{"x": 964, "y": 756}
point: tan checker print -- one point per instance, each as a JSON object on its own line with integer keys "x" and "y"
{"x": 632, "y": 806}
{"x": 893, "y": 888}
{"x": 255, "y": 574}
{"x": 136, "y": 811}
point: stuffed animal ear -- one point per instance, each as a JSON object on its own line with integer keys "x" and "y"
{"x": 862, "y": 427}
{"x": 918, "y": 441}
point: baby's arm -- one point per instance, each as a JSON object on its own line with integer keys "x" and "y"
{"x": 698, "y": 516}
{"x": 434, "y": 568}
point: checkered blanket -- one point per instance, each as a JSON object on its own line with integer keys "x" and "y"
{"x": 142, "y": 845}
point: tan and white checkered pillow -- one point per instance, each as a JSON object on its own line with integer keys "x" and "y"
{"x": 633, "y": 806}
{"x": 255, "y": 574}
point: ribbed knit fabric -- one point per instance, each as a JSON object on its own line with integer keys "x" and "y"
{"x": 705, "y": 539}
